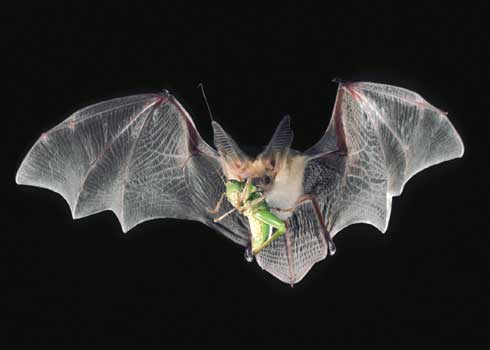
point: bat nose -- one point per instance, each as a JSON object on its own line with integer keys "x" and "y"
{"x": 261, "y": 181}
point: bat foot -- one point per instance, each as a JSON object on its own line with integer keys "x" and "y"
{"x": 248, "y": 255}
{"x": 332, "y": 249}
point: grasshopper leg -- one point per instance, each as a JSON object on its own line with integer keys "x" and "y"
{"x": 224, "y": 215}
{"x": 218, "y": 205}
{"x": 272, "y": 220}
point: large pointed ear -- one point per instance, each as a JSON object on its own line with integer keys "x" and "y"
{"x": 227, "y": 147}
{"x": 278, "y": 147}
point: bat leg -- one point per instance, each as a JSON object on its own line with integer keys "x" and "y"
{"x": 328, "y": 238}
{"x": 331, "y": 245}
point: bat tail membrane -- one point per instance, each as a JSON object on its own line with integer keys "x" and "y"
{"x": 291, "y": 256}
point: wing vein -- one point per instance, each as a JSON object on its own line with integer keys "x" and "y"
{"x": 99, "y": 113}
{"x": 420, "y": 102}
{"x": 106, "y": 148}
{"x": 128, "y": 162}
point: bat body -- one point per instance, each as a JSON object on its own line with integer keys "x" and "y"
{"x": 142, "y": 157}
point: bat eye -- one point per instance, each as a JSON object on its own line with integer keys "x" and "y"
{"x": 267, "y": 180}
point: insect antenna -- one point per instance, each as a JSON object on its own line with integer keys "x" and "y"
{"x": 201, "y": 86}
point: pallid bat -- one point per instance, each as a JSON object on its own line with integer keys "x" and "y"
{"x": 143, "y": 158}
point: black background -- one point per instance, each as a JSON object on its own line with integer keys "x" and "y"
{"x": 82, "y": 283}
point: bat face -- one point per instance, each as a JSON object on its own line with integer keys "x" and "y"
{"x": 277, "y": 172}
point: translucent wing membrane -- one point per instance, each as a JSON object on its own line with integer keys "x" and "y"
{"x": 142, "y": 158}
{"x": 139, "y": 156}
{"x": 387, "y": 134}
{"x": 291, "y": 256}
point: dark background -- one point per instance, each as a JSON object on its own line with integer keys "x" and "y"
{"x": 81, "y": 283}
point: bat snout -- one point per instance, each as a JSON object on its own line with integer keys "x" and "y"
{"x": 262, "y": 182}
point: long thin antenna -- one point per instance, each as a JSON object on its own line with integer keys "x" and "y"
{"x": 201, "y": 86}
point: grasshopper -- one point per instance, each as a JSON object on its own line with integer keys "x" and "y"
{"x": 245, "y": 197}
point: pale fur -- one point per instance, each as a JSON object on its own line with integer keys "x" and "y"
{"x": 288, "y": 186}
{"x": 288, "y": 179}
{"x": 236, "y": 170}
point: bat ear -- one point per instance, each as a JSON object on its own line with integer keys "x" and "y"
{"x": 226, "y": 146}
{"x": 280, "y": 142}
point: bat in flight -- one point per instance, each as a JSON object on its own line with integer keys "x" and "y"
{"x": 143, "y": 158}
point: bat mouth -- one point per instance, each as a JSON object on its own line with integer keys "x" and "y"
{"x": 263, "y": 183}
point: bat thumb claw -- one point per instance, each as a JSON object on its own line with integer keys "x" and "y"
{"x": 339, "y": 80}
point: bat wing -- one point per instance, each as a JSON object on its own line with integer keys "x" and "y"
{"x": 378, "y": 138}
{"x": 139, "y": 156}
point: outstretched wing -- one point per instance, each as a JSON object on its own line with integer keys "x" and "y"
{"x": 139, "y": 156}
{"x": 379, "y": 136}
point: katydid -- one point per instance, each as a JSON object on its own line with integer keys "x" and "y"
{"x": 265, "y": 227}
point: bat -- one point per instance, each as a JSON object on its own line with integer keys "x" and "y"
{"x": 143, "y": 158}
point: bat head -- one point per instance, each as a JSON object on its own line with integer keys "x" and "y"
{"x": 265, "y": 167}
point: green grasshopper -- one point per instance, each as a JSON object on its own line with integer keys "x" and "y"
{"x": 249, "y": 201}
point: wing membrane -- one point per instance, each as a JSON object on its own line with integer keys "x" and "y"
{"x": 139, "y": 156}
{"x": 386, "y": 135}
